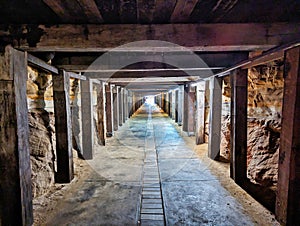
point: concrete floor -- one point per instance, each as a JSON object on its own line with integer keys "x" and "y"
{"x": 111, "y": 192}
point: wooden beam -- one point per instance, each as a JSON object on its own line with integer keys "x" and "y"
{"x": 15, "y": 169}
{"x": 200, "y": 113}
{"x": 238, "y": 135}
{"x": 36, "y": 62}
{"x": 75, "y": 75}
{"x": 183, "y": 10}
{"x": 116, "y": 108}
{"x": 100, "y": 113}
{"x": 288, "y": 188}
{"x": 109, "y": 110}
{"x": 215, "y": 113}
{"x": 188, "y": 110}
{"x": 87, "y": 117}
{"x": 63, "y": 128}
{"x": 197, "y": 37}
{"x": 121, "y": 110}
{"x": 91, "y": 11}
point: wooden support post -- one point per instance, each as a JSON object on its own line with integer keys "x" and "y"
{"x": 189, "y": 110}
{"x": 238, "y": 136}
{"x": 116, "y": 108}
{"x": 15, "y": 169}
{"x": 63, "y": 127}
{"x": 100, "y": 113}
{"x": 120, "y": 98}
{"x": 288, "y": 187}
{"x": 124, "y": 105}
{"x": 130, "y": 109}
{"x": 180, "y": 105}
{"x": 170, "y": 104}
{"x": 215, "y": 117}
{"x": 87, "y": 119}
{"x": 173, "y": 105}
{"x": 109, "y": 110}
{"x": 176, "y": 106}
{"x": 200, "y": 113}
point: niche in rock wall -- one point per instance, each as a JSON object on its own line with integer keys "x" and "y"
{"x": 265, "y": 95}
{"x": 41, "y": 130}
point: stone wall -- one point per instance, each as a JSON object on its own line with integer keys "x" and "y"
{"x": 42, "y": 130}
{"x": 265, "y": 93}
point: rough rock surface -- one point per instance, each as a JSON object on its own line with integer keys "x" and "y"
{"x": 263, "y": 150}
{"x": 265, "y": 92}
{"x": 42, "y": 144}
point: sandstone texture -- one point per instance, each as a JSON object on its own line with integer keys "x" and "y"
{"x": 265, "y": 93}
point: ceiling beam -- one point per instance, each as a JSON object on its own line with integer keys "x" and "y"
{"x": 91, "y": 10}
{"x": 196, "y": 37}
{"x": 183, "y": 10}
{"x": 142, "y": 73}
{"x": 160, "y": 79}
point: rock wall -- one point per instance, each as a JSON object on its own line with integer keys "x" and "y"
{"x": 42, "y": 130}
{"x": 265, "y": 93}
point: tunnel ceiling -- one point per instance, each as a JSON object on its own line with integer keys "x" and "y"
{"x": 69, "y": 29}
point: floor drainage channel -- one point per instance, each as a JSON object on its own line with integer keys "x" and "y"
{"x": 152, "y": 212}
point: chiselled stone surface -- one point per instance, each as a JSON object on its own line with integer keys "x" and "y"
{"x": 42, "y": 147}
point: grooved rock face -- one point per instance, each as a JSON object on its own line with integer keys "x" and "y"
{"x": 263, "y": 150}
{"x": 41, "y": 141}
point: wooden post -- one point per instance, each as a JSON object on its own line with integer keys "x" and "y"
{"x": 100, "y": 113}
{"x": 170, "y": 104}
{"x": 87, "y": 119}
{"x": 15, "y": 169}
{"x": 124, "y": 105}
{"x": 173, "y": 104}
{"x": 176, "y": 105}
{"x": 109, "y": 110}
{"x": 116, "y": 108}
{"x": 120, "y": 98}
{"x": 189, "y": 110}
{"x": 200, "y": 113}
{"x": 180, "y": 105}
{"x": 215, "y": 117}
{"x": 288, "y": 187}
{"x": 63, "y": 127}
{"x": 238, "y": 137}
{"x": 130, "y": 101}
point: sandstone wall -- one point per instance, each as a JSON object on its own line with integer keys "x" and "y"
{"x": 42, "y": 130}
{"x": 265, "y": 93}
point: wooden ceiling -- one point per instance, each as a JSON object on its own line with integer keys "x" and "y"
{"x": 148, "y": 11}
{"x": 76, "y": 32}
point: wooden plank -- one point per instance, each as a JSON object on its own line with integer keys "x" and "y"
{"x": 288, "y": 188}
{"x": 90, "y": 9}
{"x": 109, "y": 110}
{"x": 116, "y": 108}
{"x": 36, "y": 62}
{"x": 238, "y": 135}
{"x": 188, "y": 110}
{"x": 66, "y": 10}
{"x": 15, "y": 169}
{"x": 198, "y": 37}
{"x": 87, "y": 118}
{"x": 100, "y": 113}
{"x": 128, "y": 11}
{"x": 121, "y": 110}
{"x": 63, "y": 128}
{"x": 77, "y": 76}
{"x": 200, "y": 113}
{"x": 215, "y": 117}
{"x": 110, "y": 11}
{"x": 145, "y": 10}
{"x": 183, "y": 10}
{"x": 163, "y": 10}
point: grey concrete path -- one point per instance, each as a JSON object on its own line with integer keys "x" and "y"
{"x": 147, "y": 175}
